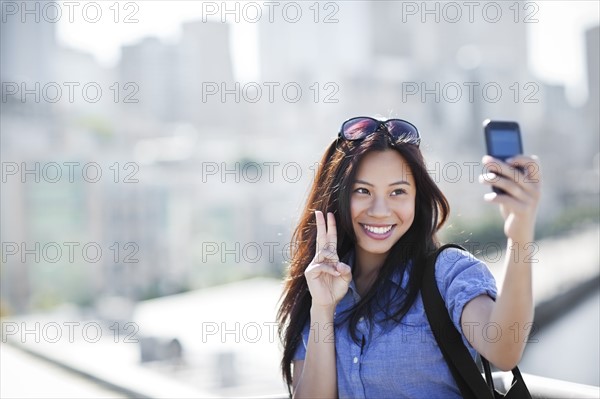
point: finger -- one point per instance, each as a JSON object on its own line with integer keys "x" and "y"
{"x": 530, "y": 166}
{"x": 511, "y": 205}
{"x": 528, "y": 179}
{"x": 512, "y": 188}
{"x": 343, "y": 268}
{"x": 494, "y": 165}
{"x": 506, "y": 200}
{"x": 328, "y": 255}
{"x": 521, "y": 169}
{"x": 345, "y": 271}
{"x": 317, "y": 269}
{"x": 321, "y": 233}
{"x": 331, "y": 233}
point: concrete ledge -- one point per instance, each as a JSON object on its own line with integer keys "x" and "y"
{"x": 121, "y": 375}
{"x": 551, "y": 309}
{"x": 547, "y": 388}
{"x": 77, "y": 370}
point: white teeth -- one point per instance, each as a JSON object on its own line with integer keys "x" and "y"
{"x": 378, "y": 230}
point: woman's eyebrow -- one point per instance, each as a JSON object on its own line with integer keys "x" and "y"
{"x": 391, "y": 184}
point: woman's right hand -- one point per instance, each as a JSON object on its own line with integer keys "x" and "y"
{"x": 327, "y": 277}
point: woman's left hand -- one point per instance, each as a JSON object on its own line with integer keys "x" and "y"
{"x": 523, "y": 189}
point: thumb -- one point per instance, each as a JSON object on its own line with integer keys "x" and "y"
{"x": 343, "y": 268}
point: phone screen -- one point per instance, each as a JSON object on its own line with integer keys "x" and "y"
{"x": 504, "y": 143}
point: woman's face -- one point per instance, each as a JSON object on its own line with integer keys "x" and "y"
{"x": 382, "y": 201}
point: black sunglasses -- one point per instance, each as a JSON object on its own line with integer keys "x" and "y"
{"x": 358, "y": 128}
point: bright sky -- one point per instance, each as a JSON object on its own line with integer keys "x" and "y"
{"x": 156, "y": 18}
{"x": 556, "y": 41}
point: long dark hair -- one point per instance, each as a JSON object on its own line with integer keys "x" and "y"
{"x": 330, "y": 192}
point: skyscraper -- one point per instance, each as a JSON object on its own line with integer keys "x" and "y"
{"x": 592, "y": 45}
{"x": 203, "y": 57}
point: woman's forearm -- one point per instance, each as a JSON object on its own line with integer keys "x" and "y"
{"x": 512, "y": 315}
{"x": 319, "y": 375}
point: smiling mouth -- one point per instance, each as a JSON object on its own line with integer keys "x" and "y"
{"x": 377, "y": 230}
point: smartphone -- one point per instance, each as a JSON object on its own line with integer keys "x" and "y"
{"x": 502, "y": 140}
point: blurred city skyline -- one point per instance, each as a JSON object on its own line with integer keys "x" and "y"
{"x": 174, "y": 118}
{"x": 556, "y": 41}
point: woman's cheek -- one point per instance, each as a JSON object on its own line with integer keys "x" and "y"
{"x": 407, "y": 208}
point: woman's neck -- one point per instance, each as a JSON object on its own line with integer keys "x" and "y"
{"x": 366, "y": 268}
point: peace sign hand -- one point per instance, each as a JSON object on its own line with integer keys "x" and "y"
{"x": 327, "y": 277}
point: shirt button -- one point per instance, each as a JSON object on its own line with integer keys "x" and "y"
{"x": 355, "y": 360}
{"x": 361, "y": 319}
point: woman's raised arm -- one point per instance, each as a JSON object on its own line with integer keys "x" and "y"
{"x": 512, "y": 312}
{"x": 328, "y": 281}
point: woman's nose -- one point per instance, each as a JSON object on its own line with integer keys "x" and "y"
{"x": 379, "y": 208}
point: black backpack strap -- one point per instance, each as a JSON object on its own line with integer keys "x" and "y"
{"x": 464, "y": 370}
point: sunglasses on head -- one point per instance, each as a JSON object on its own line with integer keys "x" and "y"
{"x": 360, "y": 127}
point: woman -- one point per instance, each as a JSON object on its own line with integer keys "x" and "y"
{"x": 352, "y": 319}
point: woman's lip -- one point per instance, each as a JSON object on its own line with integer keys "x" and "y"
{"x": 378, "y": 225}
{"x": 376, "y": 236}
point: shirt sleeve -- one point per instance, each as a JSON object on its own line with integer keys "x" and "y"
{"x": 461, "y": 277}
{"x": 300, "y": 353}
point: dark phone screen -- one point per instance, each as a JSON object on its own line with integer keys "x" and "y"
{"x": 504, "y": 143}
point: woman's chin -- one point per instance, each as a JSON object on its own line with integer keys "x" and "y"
{"x": 375, "y": 249}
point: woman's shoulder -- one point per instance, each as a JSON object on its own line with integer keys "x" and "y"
{"x": 452, "y": 255}
{"x": 457, "y": 263}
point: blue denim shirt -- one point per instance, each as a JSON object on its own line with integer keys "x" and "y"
{"x": 404, "y": 361}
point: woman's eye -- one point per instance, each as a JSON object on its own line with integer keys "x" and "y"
{"x": 362, "y": 190}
